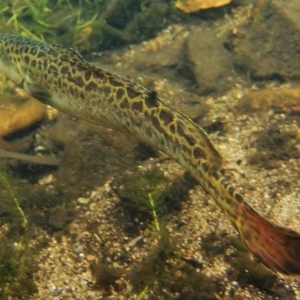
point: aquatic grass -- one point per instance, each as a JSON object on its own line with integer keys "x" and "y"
{"x": 152, "y": 203}
{"x": 145, "y": 197}
{"x": 81, "y": 24}
{"x": 13, "y": 261}
{"x": 42, "y": 19}
{"x": 154, "y": 214}
{"x": 38, "y": 10}
{"x": 10, "y": 200}
{"x": 143, "y": 293}
{"x": 87, "y": 25}
{"x": 4, "y": 10}
{"x": 21, "y": 214}
{"x": 15, "y": 18}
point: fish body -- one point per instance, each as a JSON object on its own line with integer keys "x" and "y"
{"x": 61, "y": 78}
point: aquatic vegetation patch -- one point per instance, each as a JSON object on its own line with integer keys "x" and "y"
{"x": 88, "y": 25}
{"x": 144, "y": 194}
{"x": 163, "y": 272}
{"x": 14, "y": 264}
{"x": 24, "y": 209}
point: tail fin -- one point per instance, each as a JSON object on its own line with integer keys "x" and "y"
{"x": 276, "y": 247}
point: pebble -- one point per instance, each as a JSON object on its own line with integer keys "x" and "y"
{"x": 235, "y": 283}
{"x": 82, "y": 200}
{"x": 90, "y": 257}
{"x": 79, "y": 249}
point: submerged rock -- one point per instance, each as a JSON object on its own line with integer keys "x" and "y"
{"x": 210, "y": 63}
{"x": 20, "y": 115}
{"x": 263, "y": 100}
{"x": 268, "y": 47}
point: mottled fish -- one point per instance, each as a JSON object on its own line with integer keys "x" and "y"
{"x": 61, "y": 78}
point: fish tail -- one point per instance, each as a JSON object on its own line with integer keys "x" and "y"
{"x": 276, "y": 247}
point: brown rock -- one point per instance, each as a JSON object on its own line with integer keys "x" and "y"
{"x": 264, "y": 100}
{"x": 209, "y": 61}
{"x": 268, "y": 46}
{"x": 20, "y": 115}
{"x": 166, "y": 57}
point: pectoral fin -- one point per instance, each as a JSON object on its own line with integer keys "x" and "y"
{"x": 38, "y": 92}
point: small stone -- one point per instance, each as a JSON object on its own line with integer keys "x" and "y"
{"x": 90, "y": 257}
{"x": 235, "y": 283}
{"x": 79, "y": 249}
{"x": 82, "y": 200}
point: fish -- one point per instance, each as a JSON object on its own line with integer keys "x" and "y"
{"x": 62, "y": 78}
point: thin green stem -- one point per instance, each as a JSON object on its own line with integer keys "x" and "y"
{"x": 13, "y": 196}
{"x": 157, "y": 226}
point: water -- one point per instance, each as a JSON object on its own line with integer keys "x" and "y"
{"x": 146, "y": 230}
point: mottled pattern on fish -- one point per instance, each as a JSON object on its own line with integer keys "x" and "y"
{"x": 61, "y": 78}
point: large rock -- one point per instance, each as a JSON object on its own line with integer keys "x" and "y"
{"x": 209, "y": 61}
{"x": 283, "y": 99}
{"x": 269, "y": 45}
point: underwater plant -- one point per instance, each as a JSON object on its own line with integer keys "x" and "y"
{"x": 14, "y": 226}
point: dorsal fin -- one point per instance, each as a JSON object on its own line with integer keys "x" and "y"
{"x": 68, "y": 54}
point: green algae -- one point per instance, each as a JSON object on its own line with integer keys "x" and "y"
{"x": 22, "y": 213}
{"x": 14, "y": 252}
{"x": 164, "y": 272}
{"x": 145, "y": 197}
{"x": 87, "y": 25}
{"x": 42, "y": 20}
